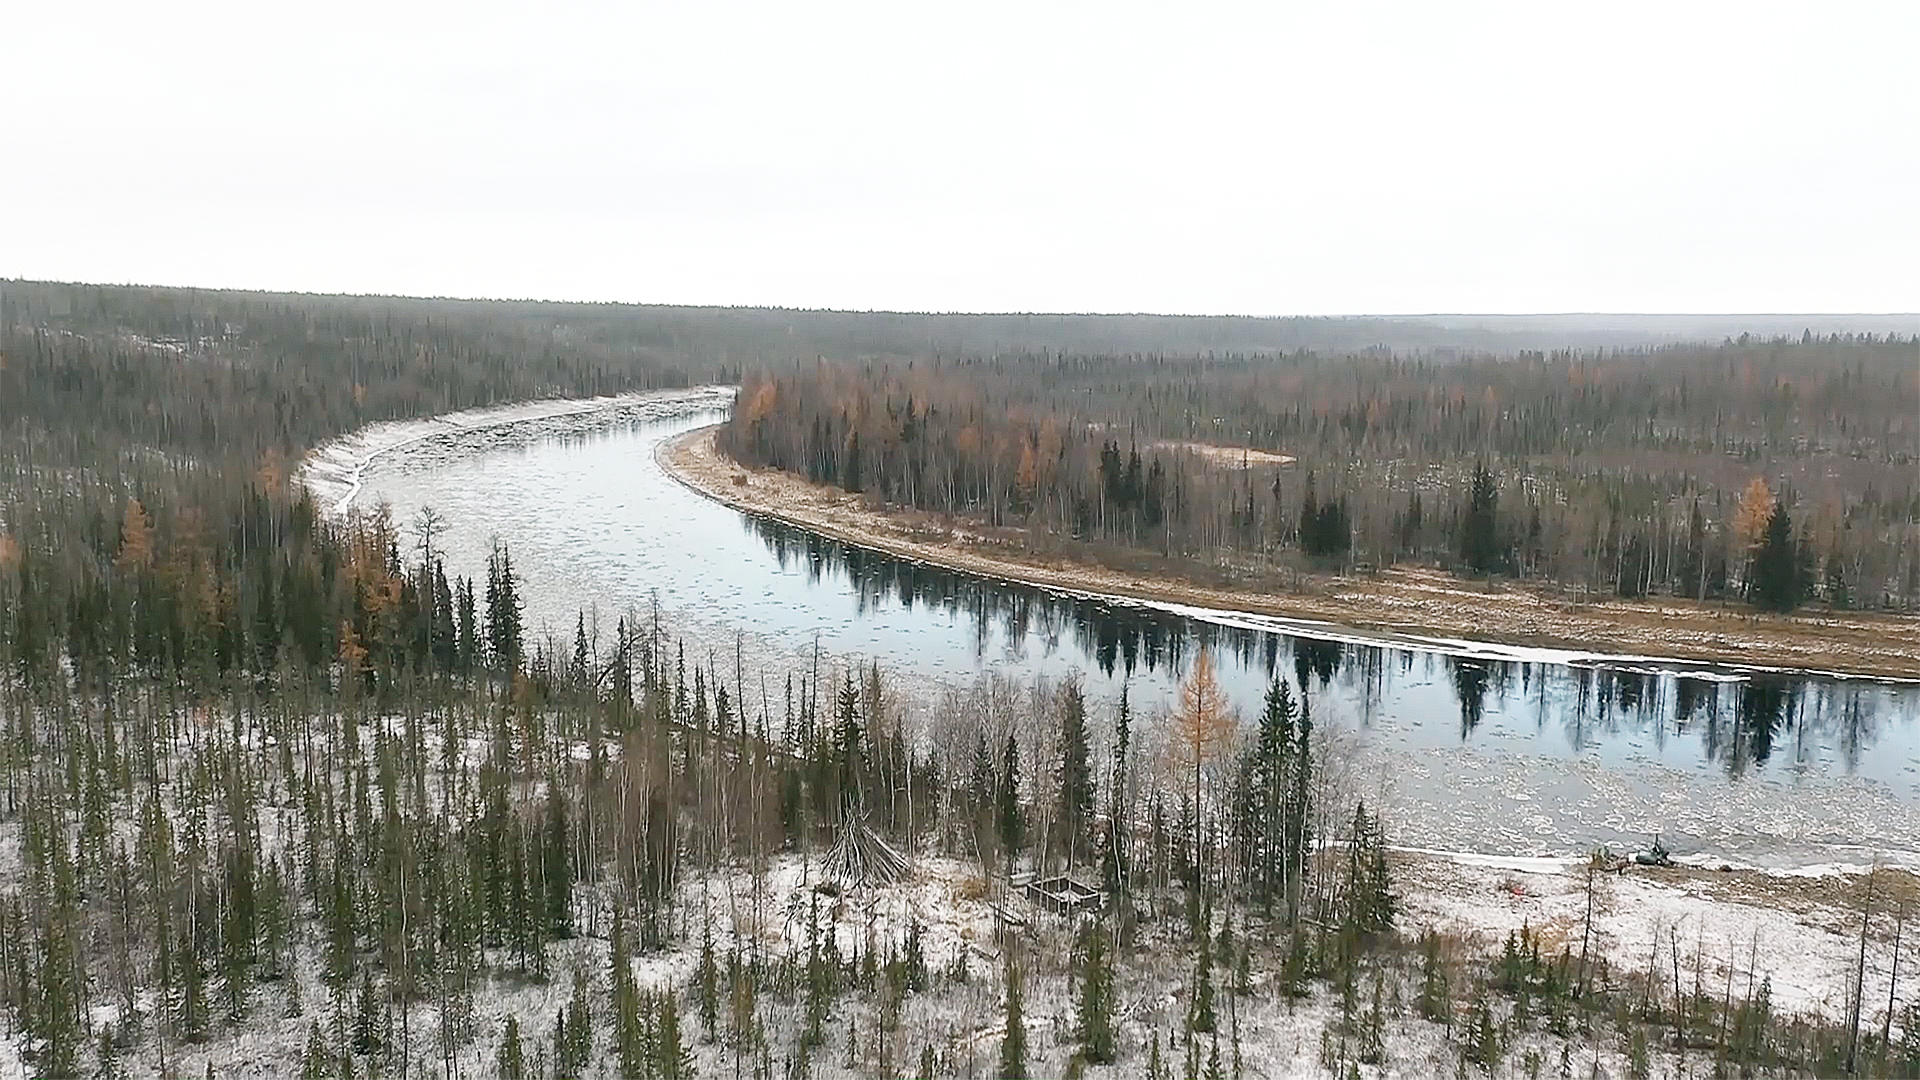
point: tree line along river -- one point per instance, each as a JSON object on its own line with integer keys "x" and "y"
{"x": 1492, "y": 749}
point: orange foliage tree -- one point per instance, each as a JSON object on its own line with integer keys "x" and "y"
{"x": 1750, "y": 519}
{"x": 1202, "y": 727}
{"x": 136, "y": 537}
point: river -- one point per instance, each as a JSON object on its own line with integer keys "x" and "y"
{"x": 1501, "y": 751}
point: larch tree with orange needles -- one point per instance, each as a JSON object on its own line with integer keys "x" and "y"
{"x": 1750, "y": 518}
{"x": 1202, "y": 727}
{"x": 136, "y": 537}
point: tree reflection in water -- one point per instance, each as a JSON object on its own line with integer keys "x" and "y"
{"x": 1740, "y": 721}
{"x": 1470, "y": 683}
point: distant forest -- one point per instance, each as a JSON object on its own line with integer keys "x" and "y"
{"x": 185, "y": 411}
{"x": 1774, "y": 471}
{"x": 1649, "y": 470}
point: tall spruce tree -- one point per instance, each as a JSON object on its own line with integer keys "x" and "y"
{"x": 1775, "y": 583}
{"x": 1010, "y": 818}
{"x": 1268, "y": 768}
{"x": 849, "y": 747}
{"x": 1200, "y": 1013}
{"x": 1075, "y": 774}
{"x": 628, "y": 1030}
{"x": 1115, "y": 849}
{"x": 1013, "y": 1040}
{"x": 1097, "y": 1000}
{"x": 511, "y": 1062}
{"x": 1479, "y": 523}
{"x": 557, "y": 866}
{"x": 673, "y": 1059}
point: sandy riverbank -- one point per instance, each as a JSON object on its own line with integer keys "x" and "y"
{"x": 1418, "y": 603}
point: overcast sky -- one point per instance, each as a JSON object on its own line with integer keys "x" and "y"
{"x": 1268, "y": 158}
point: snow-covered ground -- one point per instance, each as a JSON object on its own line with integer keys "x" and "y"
{"x": 1804, "y": 949}
{"x": 1801, "y": 931}
{"x": 1724, "y": 930}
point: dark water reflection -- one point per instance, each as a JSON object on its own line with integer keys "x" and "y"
{"x": 1738, "y": 721}
{"x": 1513, "y": 752}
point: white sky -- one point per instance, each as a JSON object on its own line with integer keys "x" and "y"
{"x": 1273, "y": 158}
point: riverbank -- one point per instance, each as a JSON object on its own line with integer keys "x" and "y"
{"x": 1400, "y": 606}
{"x": 334, "y": 470}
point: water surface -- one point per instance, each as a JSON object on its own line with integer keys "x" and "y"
{"x": 1513, "y": 756}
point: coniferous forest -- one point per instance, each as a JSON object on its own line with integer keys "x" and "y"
{"x": 285, "y": 795}
{"x": 1773, "y": 473}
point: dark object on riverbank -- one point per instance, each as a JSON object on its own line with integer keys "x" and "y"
{"x": 1654, "y": 856}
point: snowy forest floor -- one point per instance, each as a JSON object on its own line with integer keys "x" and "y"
{"x": 1702, "y": 928}
{"x": 1422, "y": 602}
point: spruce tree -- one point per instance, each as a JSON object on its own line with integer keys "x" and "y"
{"x": 914, "y": 960}
{"x": 1012, "y": 822}
{"x": 849, "y": 746}
{"x": 708, "y": 979}
{"x": 1268, "y": 767}
{"x": 673, "y": 1060}
{"x": 1370, "y": 904}
{"x": 1114, "y": 850}
{"x": 1013, "y": 1042}
{"x": 1483, "y": 1047}
{"x": 110, "y": 1067}
{"x": 1096, "y": 1001}
{"x": 819, "y": 981}
{"x": 63, "y": 973}
{"x": 1298, "y": 838}
{"x": 741, "y": 994}
{"x": 1435, "y": 1001}
{"x": 557, "y": 867}
{"x": 193, "y": 993}
{"x": 1373, "y": 1030}
{"x": 573, "y": 1033}
{"x": 469, "y": 632}
{"x": 1076, "y": 773}
{"x": 1201, "y": 1017}
{"x": 563, "y": 1066}
{"x": 627, "y": 1006}
{"x": 511, "y": 1062}
{"x": 366, "y": 1018}
{"x": 850, "y": 475}
{"x": 980, "y": 782}
{"x": 1908, "y": 1054}
{"x": 1306, "y": 532}
{"x": 580, "y": 1021}
{"x": 1479, "y": 524}
{"x": 504, "y": 636}
{"x": 1776, "y": 579}
{"x": 577, "y": 673}
{"x": 317, "y": 1063}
